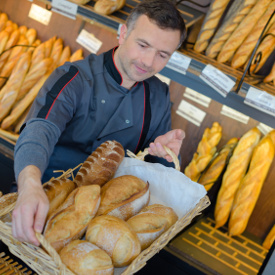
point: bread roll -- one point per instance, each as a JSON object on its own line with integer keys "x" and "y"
{"x": 265, "y": 49}
{"x": 151, "y": 222}
{"x": 114, "y": 236}
{"x": 70, "y": 220}
{"x": 250, "y": 187}
{"x": 237, "y": 11}
{"x": 269, "y": 239}
{"x": 57, "y": 190}
{"x": 108, "y": 6}
{"x": 81, "y": 2}
{"x": 209, "y": 177}
{"x": 242, "y": 31}
{"x": 245, "y": 50}
{"x": 124, "y": 197}
{"x": 205, "y": 151}
{"x": 210, "y": 23}
{"x": 233, "y": 175}
{"x": 85, "y": 258}
{"x": 101, "y": 165}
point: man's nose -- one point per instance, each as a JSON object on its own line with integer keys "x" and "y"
{"x": 148, "y": 59}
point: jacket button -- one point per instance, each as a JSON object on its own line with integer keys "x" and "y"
{"x": 127, "y": 121}
{"x": 102, "y": 101}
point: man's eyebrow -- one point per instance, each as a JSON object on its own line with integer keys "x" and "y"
{"x": 148, "y": 44}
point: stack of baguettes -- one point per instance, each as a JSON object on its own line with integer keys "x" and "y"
{"x": 97, "y": 222}
{"x": 231, "y": 30}
{"x": 25, "y": 64}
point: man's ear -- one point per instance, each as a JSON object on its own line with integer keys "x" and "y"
{"x": 123, "y": 34}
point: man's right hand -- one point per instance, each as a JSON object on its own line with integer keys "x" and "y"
{"x": 31, "y": 208}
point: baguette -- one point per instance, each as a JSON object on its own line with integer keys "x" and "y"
{"x": 65, "y": 56}
{"x": 210, "y": 24}
{"x": 31, "y": 35}
{"x": 209, "y": 177}
{"x": 23, "y": 29}
{"x": 4, "y": 37}
{"x": 13, "y": 85}
{"x": 250, "y": 187}
{"x": 49, "y": 46}
{"x": 265, "y": 49}
{"x": 205, "y": 151}
{"x": 245, "y": 50}
{"x": 237, "y": 11}
{"x": 69, "y": 222}
{"x": 151, "y": 222}
{"x": 271, "y": 76}
{"x": 101, "y": 165}
{"x": 19, "y": 122}
{"x": 233, "y": 175}
{"x": 124, "y": 197}
{"x": 242, "y": 31}
{"x": 83, "y": 257}
{"x": 77, "y": 55}
{"x": 116, "y": 237}
{"x": 57, "y": 190}
{"x": 107, "y": 7}
{"x": 269, "y": 239}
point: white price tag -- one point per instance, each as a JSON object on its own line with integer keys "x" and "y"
{"x": 260, "y": 100}
{"x": 163, "y": 78}
{"x": 229, "y": 112}
{"x": 65, "y": 8}
{"x": 88, "y": 41}
{"x": 197, "y": 97}
{"x": 265, "y": 129}
{"x": 191, "y": 113}
{"x": 179, "y": 62}
{"x": 217, "y": 80}
{"x": 118, "y": 30}
{"x": 39, "y": 14}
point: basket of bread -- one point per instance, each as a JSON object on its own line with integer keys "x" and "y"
{"x": 110, "y": 218}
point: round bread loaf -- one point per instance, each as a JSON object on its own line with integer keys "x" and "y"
{"x": 114, "y": 236}
{"x": 151, "y": 222}
{"x": 85, "y": 258}
{"x": 124, "y": 197}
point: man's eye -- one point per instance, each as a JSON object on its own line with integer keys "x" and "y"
{"x": 164, "y": 56}
{"x": 142, "y": 45}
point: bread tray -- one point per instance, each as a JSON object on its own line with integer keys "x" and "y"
{"x": 45, "y": 260}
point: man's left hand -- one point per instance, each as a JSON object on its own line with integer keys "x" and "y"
{"x": 172, "y": 139}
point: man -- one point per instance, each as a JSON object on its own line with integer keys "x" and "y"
{"x": 111, "y": 96}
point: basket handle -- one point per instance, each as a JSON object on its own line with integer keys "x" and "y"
{"x": 140, "y": 155}
{"x": 52, "y": 252}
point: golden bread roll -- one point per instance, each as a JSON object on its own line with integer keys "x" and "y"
{"x": 250, "y": 187}
{"x": 269, "y": 239}
{"x": 237, "y": 11}
{"x": 57, "y": 190}
{"x": 101, "y": 165}
{"x": 242, "y": 31}
{"x": 81, "y": 2}
{"x": 124, "y": 197}
{"x": 85, "y": 258}
{"x": 77, "y": 55}
{"x": 151, "y": 222}
{"x": 265, "y": 49}
{"x": 108, "y": 6}
{"x": 209, "y": 177}
{"x": 210, "y": 24}
{"x": 114, "y": 236}
{"x": 245, "y": 50}
{"x": 233, "y": 175}
{"x": 205, "y": 151}
{"x": 69, "y": 222}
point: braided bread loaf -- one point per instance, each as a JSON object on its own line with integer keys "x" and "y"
{"x": 271, "y": 76}
{"x": 205, "y": 151}
{"x": 108, "y": 6}
{"x": 237, "y": 11}
{"x": 101, "y": 165}
{"x": 210, "y": 23}
{"x": 233, "y": 175}
{"x": 251, "y": 185}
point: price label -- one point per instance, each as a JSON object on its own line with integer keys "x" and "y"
{"x": 179, "y": 63}
{"x": 260, "y": 100}
{"x": 216, "y": 79}
{"x": 191, "y": 113}
{"x": 163, "y": 78}
{"x": 39, "y": 14}
{"x": 65, "y": 8}
{"x": 229, "y": 112}
{"x": 88, "y": 41}
{"x": 197, "y": 97}
{"x": 265, "y": 129}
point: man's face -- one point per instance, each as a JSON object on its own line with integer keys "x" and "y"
{"x": 145, "y": 50}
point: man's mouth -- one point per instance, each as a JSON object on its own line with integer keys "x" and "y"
{"x": 141, "y": 70}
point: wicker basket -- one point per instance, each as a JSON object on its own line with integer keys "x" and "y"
{"x": 46, "y": 260}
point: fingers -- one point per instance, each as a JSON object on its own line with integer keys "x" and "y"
{"x": 156, "y": 149}
{"x": 40, "y": 217}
